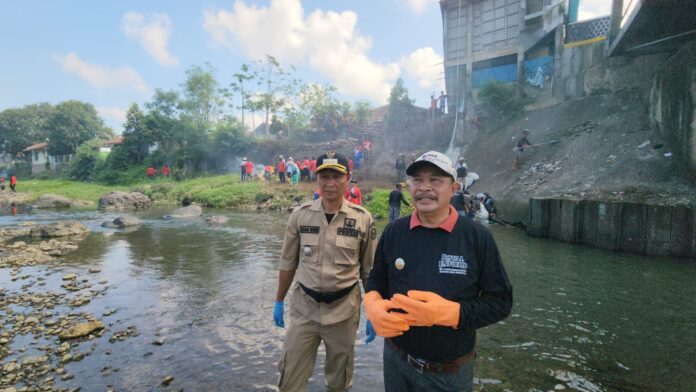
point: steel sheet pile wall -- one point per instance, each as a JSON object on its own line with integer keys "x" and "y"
{"x": 619, "y": 226}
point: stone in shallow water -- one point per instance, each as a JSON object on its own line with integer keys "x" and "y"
{"x": 167, "y": 380}
{"x": 70, "y": 277}
{"x": 81, "y": 330}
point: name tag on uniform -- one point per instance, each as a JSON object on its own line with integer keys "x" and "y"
{"x": 309, "y": 229}
{"x": 348, "y": 232}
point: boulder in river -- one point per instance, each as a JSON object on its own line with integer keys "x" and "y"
{"x": 81, "y": 330}
{"x": 124, "y": 221}
{"x": 50, "y": 200}
{"x": 217, "y": 220}
{"x": 191, "y": 211}
{"x": 124, "y": 201}
{"x": 59, "y": 229}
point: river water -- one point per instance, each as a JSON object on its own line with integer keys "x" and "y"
{"x": 583, "y": 319}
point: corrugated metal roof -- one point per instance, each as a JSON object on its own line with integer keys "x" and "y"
{"x": 37, "y": 146}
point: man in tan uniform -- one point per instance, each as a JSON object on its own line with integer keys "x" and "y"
{"x": 329, "y": 246}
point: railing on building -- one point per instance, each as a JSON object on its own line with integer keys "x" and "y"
{"x": 587, "y": 32}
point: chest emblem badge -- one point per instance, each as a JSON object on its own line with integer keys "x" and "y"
{"x": 399, "y": 263}
{"x": 307, "y": 251}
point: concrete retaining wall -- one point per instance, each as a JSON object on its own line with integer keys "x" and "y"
{"x": 619, "y": 226}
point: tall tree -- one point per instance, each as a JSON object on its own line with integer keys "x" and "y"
{"x": 201, "y": 94}
{"x": 400, "y": 106}
{"x": 136, "y": 136}
{"x": 72, "y": 123}
{"x": 272, "y": 79}
{"x": 244, "y": 75}
{"x": 22, "y": 127}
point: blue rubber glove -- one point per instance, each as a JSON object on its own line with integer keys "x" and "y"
{"x": 278, "y": 310}
{"x": 370, "y": 332}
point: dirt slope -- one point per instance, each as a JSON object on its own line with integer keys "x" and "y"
{"x": 601, "y": 153}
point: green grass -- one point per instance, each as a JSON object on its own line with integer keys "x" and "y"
{"x": 71, "y": 189}
{"x": 223, "y": 191}
{"x": 212, "y": 191}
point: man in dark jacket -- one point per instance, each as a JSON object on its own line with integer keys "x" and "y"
{"x": 436, "y": 278}
{"x": 396, "y": 197}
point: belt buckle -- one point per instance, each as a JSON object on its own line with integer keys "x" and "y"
{"x": 415, "y": 363}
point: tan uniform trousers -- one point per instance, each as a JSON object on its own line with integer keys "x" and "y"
{"x": 300, "y": 353}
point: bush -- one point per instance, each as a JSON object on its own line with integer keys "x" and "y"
{"x": 500, "y": 102}
{"x": 87, "y": 159}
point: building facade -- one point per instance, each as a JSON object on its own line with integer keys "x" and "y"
{"x": 510, "y": 41}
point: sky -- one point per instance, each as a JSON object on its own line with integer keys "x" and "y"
{"x": 115, "y": 53}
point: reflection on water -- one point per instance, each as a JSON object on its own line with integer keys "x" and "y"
{"x": 584, "y": 319}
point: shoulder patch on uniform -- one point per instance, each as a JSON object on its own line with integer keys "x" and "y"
{"x": 359, "y": 208}
{"x": 373, "y": 231}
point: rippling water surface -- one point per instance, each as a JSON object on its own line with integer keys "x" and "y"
{"x": 584, "y": 319}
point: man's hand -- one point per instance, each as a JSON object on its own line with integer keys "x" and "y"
{"x": 386, "y": 324}
{"x": 425, "y": 308}
{"x": 278, "y": 310}
{"x": 370, "y": 332}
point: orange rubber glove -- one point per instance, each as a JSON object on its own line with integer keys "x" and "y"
{"x": 386, "y": 324}
{"x": 425, "y": 308}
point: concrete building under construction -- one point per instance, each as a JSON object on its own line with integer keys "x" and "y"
{"x": 511, "y": 41}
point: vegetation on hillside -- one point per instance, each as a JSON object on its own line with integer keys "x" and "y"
{"x": 501, "y": 104}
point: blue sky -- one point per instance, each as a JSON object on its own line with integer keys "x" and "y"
{"x": 114, "y": 53}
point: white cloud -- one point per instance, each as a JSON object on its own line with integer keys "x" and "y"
{"x": 329, "y": 41}
{"x": 101, "y": 76}
{"x": 114, "y": 113}
{"x": 152, "y": 32}
{"x": 425, "y": 66}
{"x": 418, "y": 6}
{"x": 593, "y": 8}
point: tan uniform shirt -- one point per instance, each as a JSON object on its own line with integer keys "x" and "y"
{"x": 328, "y": 257}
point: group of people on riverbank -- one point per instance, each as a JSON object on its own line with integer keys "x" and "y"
{"x": 422, "y": 292}
{"x": 294, "y": 170}
{"x": 13, "y": 183}
{"x": 152, "y": 172}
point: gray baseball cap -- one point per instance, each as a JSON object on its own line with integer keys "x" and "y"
{"x": 433, "y": 158}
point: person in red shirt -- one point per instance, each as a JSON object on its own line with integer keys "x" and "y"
{"x": 13, "y": 182}
{"x": 367, "y": 149}
{"x": 350, "y": 164}
{"x": 151, "y": 171}
{"x": 353, "y": 193}
{"x": 166, "y": 171}
{"x": 249, "y": 167}
{"x": 281, "y": 169}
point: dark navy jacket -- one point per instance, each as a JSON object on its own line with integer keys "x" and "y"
{"x": 462, "y": 266}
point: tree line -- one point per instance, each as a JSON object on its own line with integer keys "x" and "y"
{"x": 198, "y": 127}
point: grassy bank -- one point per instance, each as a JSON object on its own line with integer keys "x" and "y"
{"x": 225, "y": 191}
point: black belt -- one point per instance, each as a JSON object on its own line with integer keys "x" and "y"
{"x": 435, "y": 367}
{"x": 328, "y": 297}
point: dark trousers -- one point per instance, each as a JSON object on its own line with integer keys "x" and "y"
{"x": 399, "y": 376}
{"x": 13, "y": 187}
{"x": 243, "y": 177}
{"x": 281, "y": 176}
